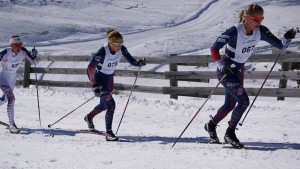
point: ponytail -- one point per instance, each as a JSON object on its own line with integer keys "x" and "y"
{"x": 241, "y": 15}
{"x": 112, "y": 34}
{"x": 251, "y": 10}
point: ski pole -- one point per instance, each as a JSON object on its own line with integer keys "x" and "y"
{"x": 50, "y": 125}
{"x": 4, "y": 124}
{"x": 37, "y": 95}
{"x": 241, "y": 123}
{"x": 199, "y": 110}
{"x": 129, "y": 98}
{"x": 37, "y": 89}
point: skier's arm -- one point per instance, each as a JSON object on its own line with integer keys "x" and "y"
{"x": 96, "y": 61}
{"x": 267, "y": 35}
{"x": 29, "y": 57}
{"x": 128, "y": 56}
{"x": 2, "y": 53}
{"x": 222, "y": 40}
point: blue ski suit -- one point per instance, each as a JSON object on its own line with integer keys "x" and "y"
{"x": 101, "y": 69}
{"x": 238, "y": 49}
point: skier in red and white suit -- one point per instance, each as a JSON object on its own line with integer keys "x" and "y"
{"x": 11, "y": 58}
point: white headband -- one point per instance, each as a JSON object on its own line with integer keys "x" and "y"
{"x": 16, "y": 39}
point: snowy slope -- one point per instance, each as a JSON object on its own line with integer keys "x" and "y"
{"x": 152, "y": 122}
{"x": 147, "y": 133}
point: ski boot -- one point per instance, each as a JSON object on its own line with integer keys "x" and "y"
{"x": 14, "y": 129}
{"x": 210, "y": 127}
{"x": 110, "y": 136}
{"x": 231, "y": 138}
{"x": 89, "y": 122}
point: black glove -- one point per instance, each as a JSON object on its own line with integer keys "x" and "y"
{"x": 227, "y": 70}
{"x": 223, "y": 68}
{"x": 290, "y": 34}
{"x": 141, "y": 62}
{"x": 34, "y": 53}
{"x": 97, "y": 90}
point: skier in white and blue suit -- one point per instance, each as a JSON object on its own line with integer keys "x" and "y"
{"x": 100, "y": 72}
{"x": 240, "y": 41}
{"x": 11, "y": 59}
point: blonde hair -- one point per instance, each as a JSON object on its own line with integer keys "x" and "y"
{"x": 251, "y": 10}
{"x": 112, "y": 34}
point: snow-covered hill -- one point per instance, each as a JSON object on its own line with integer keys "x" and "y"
{"x": 152, "y": 122}
{"x": 78, "y": 27}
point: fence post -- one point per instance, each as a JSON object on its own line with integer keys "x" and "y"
{"x": 284, "y": 67}
{"x": 26, "y": 80}
{"x": 173, "y": 81}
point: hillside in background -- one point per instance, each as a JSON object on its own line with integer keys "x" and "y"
{"x": 152, "y": 122}
{"x": 78, "y": 27}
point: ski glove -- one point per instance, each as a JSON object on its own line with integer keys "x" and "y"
{"x": 97, "y": 90}
{"x": 223, "y": 68}
{"x": 141, "y": 62}
{"x": 34, "y": 53}
{"x": 290, "y": 34}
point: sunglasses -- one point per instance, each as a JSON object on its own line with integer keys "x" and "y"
{"x": 256, "y": 19}
{"x": 119, "y": 44}
{"x": 17, "y": 44}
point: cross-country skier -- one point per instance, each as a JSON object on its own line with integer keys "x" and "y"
{"x": 240, "y": 41}
{"x": 11, "y": 58}
{"x": 100, "y": 72}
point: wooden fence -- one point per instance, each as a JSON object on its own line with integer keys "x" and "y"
{"x": 173, "y": 75}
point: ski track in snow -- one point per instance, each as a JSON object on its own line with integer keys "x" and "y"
{"x": 150, "y": 126}
{"x": 152, "y": 122}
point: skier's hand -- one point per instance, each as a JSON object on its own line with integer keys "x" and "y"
{"x": 223, "y": 68}
{"x": 97, "y": 90}
{"x": 291, "y": 34}
{"x": 227, "y": 70}
{"x": 34, "y": 53}
{"x": 141, "y": 62}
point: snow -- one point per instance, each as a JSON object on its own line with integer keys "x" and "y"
{"x": 152, "y": 122}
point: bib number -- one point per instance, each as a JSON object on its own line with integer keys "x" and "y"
{"x": 113, "y": 64}
{"x": 15, "y": 65}
{"x": 248, "y": 49}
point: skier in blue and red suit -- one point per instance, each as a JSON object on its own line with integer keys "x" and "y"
{"x": 240, "y": 41}
{"x": 100, "y": 72}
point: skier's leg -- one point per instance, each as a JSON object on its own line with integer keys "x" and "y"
{"x": 111, "y": 105}
{"x": 242, "y": 99}
{"x": 3, "y": 99}
{"x": 98, "y": 109}
{"x": 11, "y": 101}
{"x": 10, "y": 108}
{"x": 225, "y": 109}
{"x": 210, "y": 127}
{"x": 240, "y": 95}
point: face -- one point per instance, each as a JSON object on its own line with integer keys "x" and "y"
{"x": 116, "y": 44}
{"x": 16, "y": 47}
{"x": 253, "y": 21}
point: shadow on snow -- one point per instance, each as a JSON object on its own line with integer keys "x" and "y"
{"x": 260, "y": 146}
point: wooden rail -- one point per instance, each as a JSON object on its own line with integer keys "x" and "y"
{"x": 174, "y": 75}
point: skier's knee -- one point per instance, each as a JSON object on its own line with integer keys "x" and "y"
{"x": 244, "y": 102}
{"x": 110, "y": 102}
{"x": 11, "y": 99}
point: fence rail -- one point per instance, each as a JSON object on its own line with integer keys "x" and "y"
{"x": 174, "y": 75}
